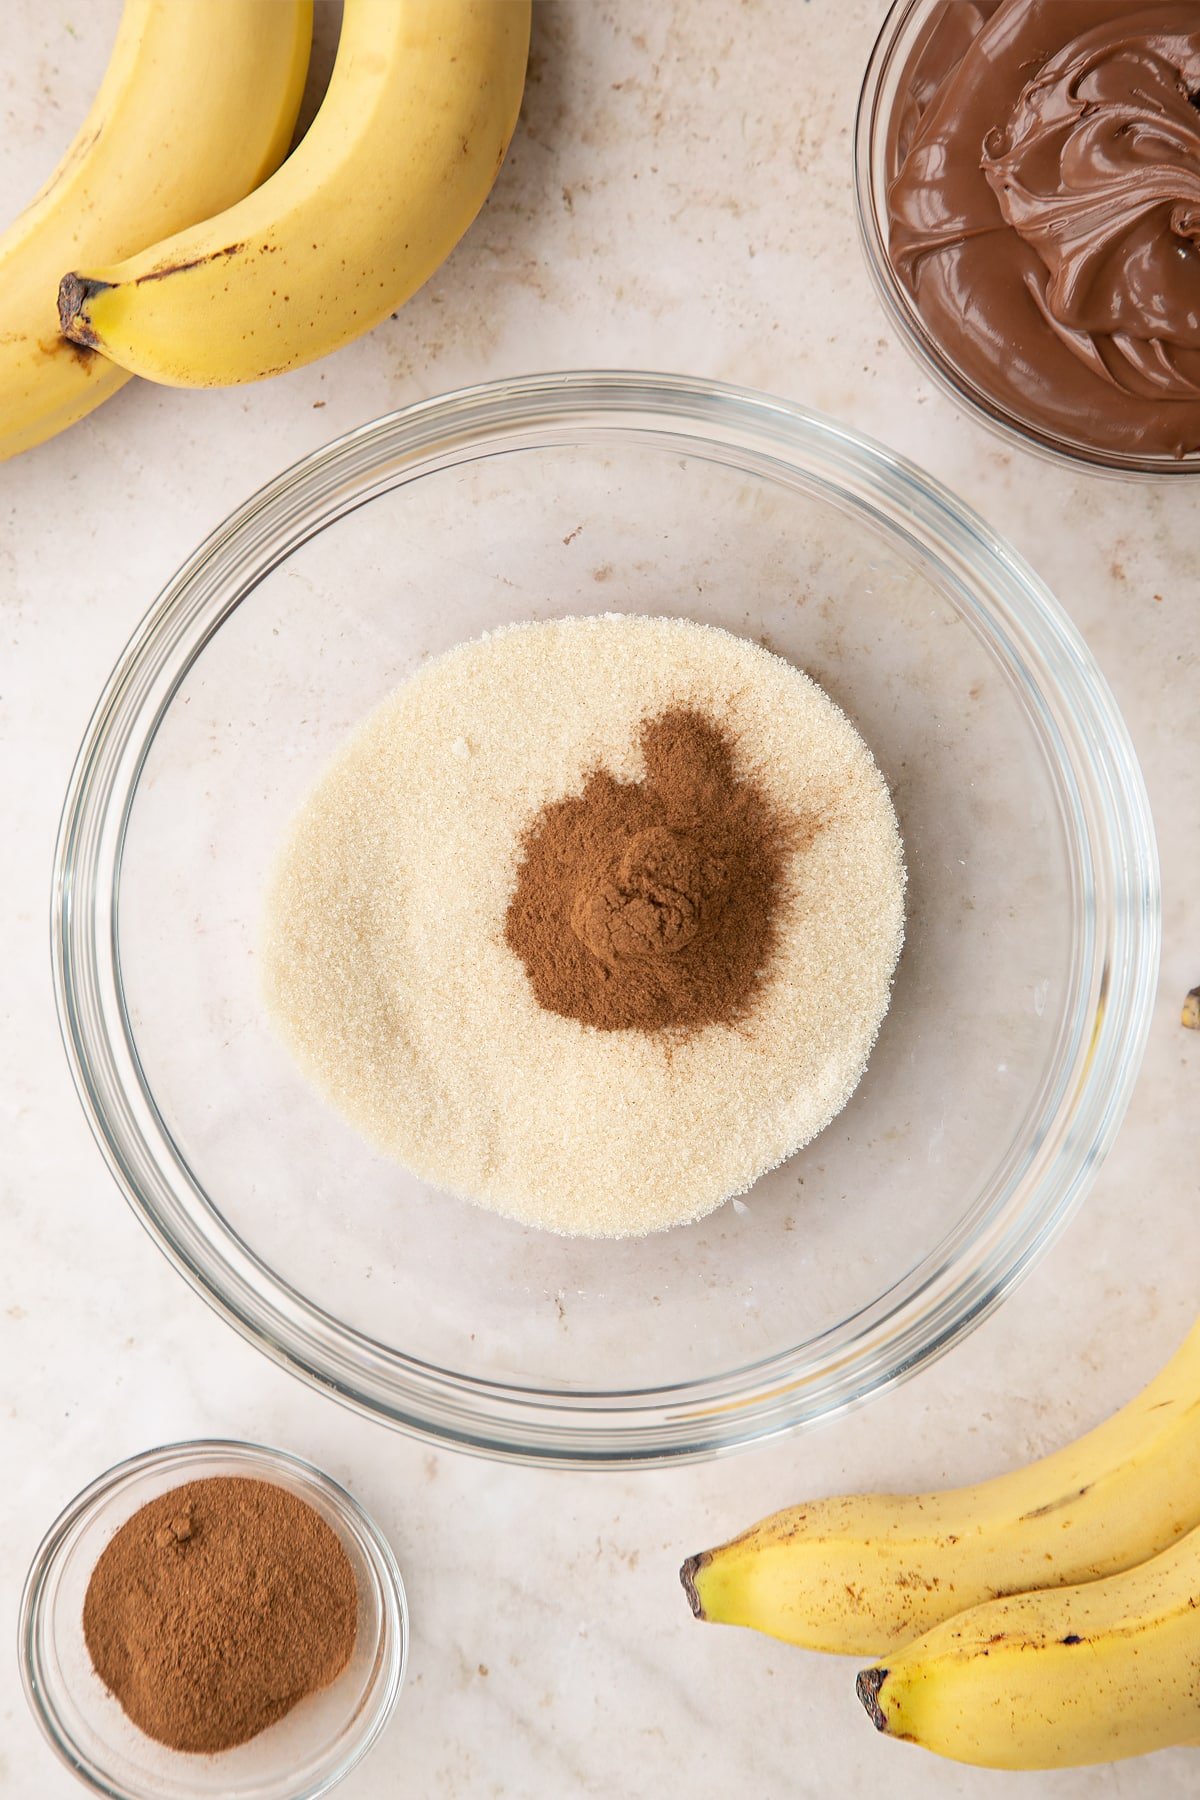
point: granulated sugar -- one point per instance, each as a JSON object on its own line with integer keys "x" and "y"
{"x": 387, "y": 970}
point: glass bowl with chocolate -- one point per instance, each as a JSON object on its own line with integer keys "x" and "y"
{"x": 478, "y": 905}
{"x": 213, "y": 1618}
{"x": 1028, "y": 186}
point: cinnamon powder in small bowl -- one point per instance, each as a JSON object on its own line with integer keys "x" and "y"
{"x": 217, "y": 1608}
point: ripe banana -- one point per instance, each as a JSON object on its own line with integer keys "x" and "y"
{"x": 1055, "y": 1679}
{"x": 420, "y": 108}
{"x": 866, "y": 1572}
{"x": 197, "y": 105}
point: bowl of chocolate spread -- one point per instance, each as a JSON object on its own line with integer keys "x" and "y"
{"x": 1028, "y": 178}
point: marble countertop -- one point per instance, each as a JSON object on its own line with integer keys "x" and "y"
{"x": 678, "y": 196}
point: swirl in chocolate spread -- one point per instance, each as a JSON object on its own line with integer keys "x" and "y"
{"x": 1045, "y": 212}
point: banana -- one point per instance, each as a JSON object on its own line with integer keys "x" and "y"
{"x": 1055, "y": 1679}
{"x": 867, "y": 1572}
{"x": 413, "y": 129}
{"x": 197, "y": 105}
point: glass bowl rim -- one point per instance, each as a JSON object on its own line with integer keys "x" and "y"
{"x": 260, "y": 1461}
{"x": 692, "y": 1419}
{"x": 910, "y": 326}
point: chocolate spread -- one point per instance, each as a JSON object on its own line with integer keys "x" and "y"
{"x": 1045, "y": 212}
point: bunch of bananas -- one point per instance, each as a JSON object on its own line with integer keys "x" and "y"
{"x": 1045, "y": 1619}
{"x": 174, "y": 241}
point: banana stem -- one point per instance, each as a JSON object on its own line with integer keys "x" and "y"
{"x": 74, "y": 292}
{"x": 687, "y": 1576}
{"x": 867, "y": 1686}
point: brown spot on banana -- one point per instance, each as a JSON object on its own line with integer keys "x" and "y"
{"x": 54, "y": 348}
{"x": 1039, "y": 1512}
{"x": 194, "y": 262}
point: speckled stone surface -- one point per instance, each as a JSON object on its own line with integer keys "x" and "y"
{"x": 678, "y": 196}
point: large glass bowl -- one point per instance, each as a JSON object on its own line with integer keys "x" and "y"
{"x": 1020, "y": 1005}
{"x": 884, "y": 111}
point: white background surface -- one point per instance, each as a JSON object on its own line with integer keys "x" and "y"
{"x": 678, "y": 196}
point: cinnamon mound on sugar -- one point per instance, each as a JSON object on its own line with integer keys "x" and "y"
{"x": 652, "y": 905}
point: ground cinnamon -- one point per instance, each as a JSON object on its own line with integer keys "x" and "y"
{"x": 216, "y": 1608}
{"x": 653, "y": 905}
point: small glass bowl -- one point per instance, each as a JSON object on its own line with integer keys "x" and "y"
{"x": 301, "y": 1756}
{"x": 901, "y": 38}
